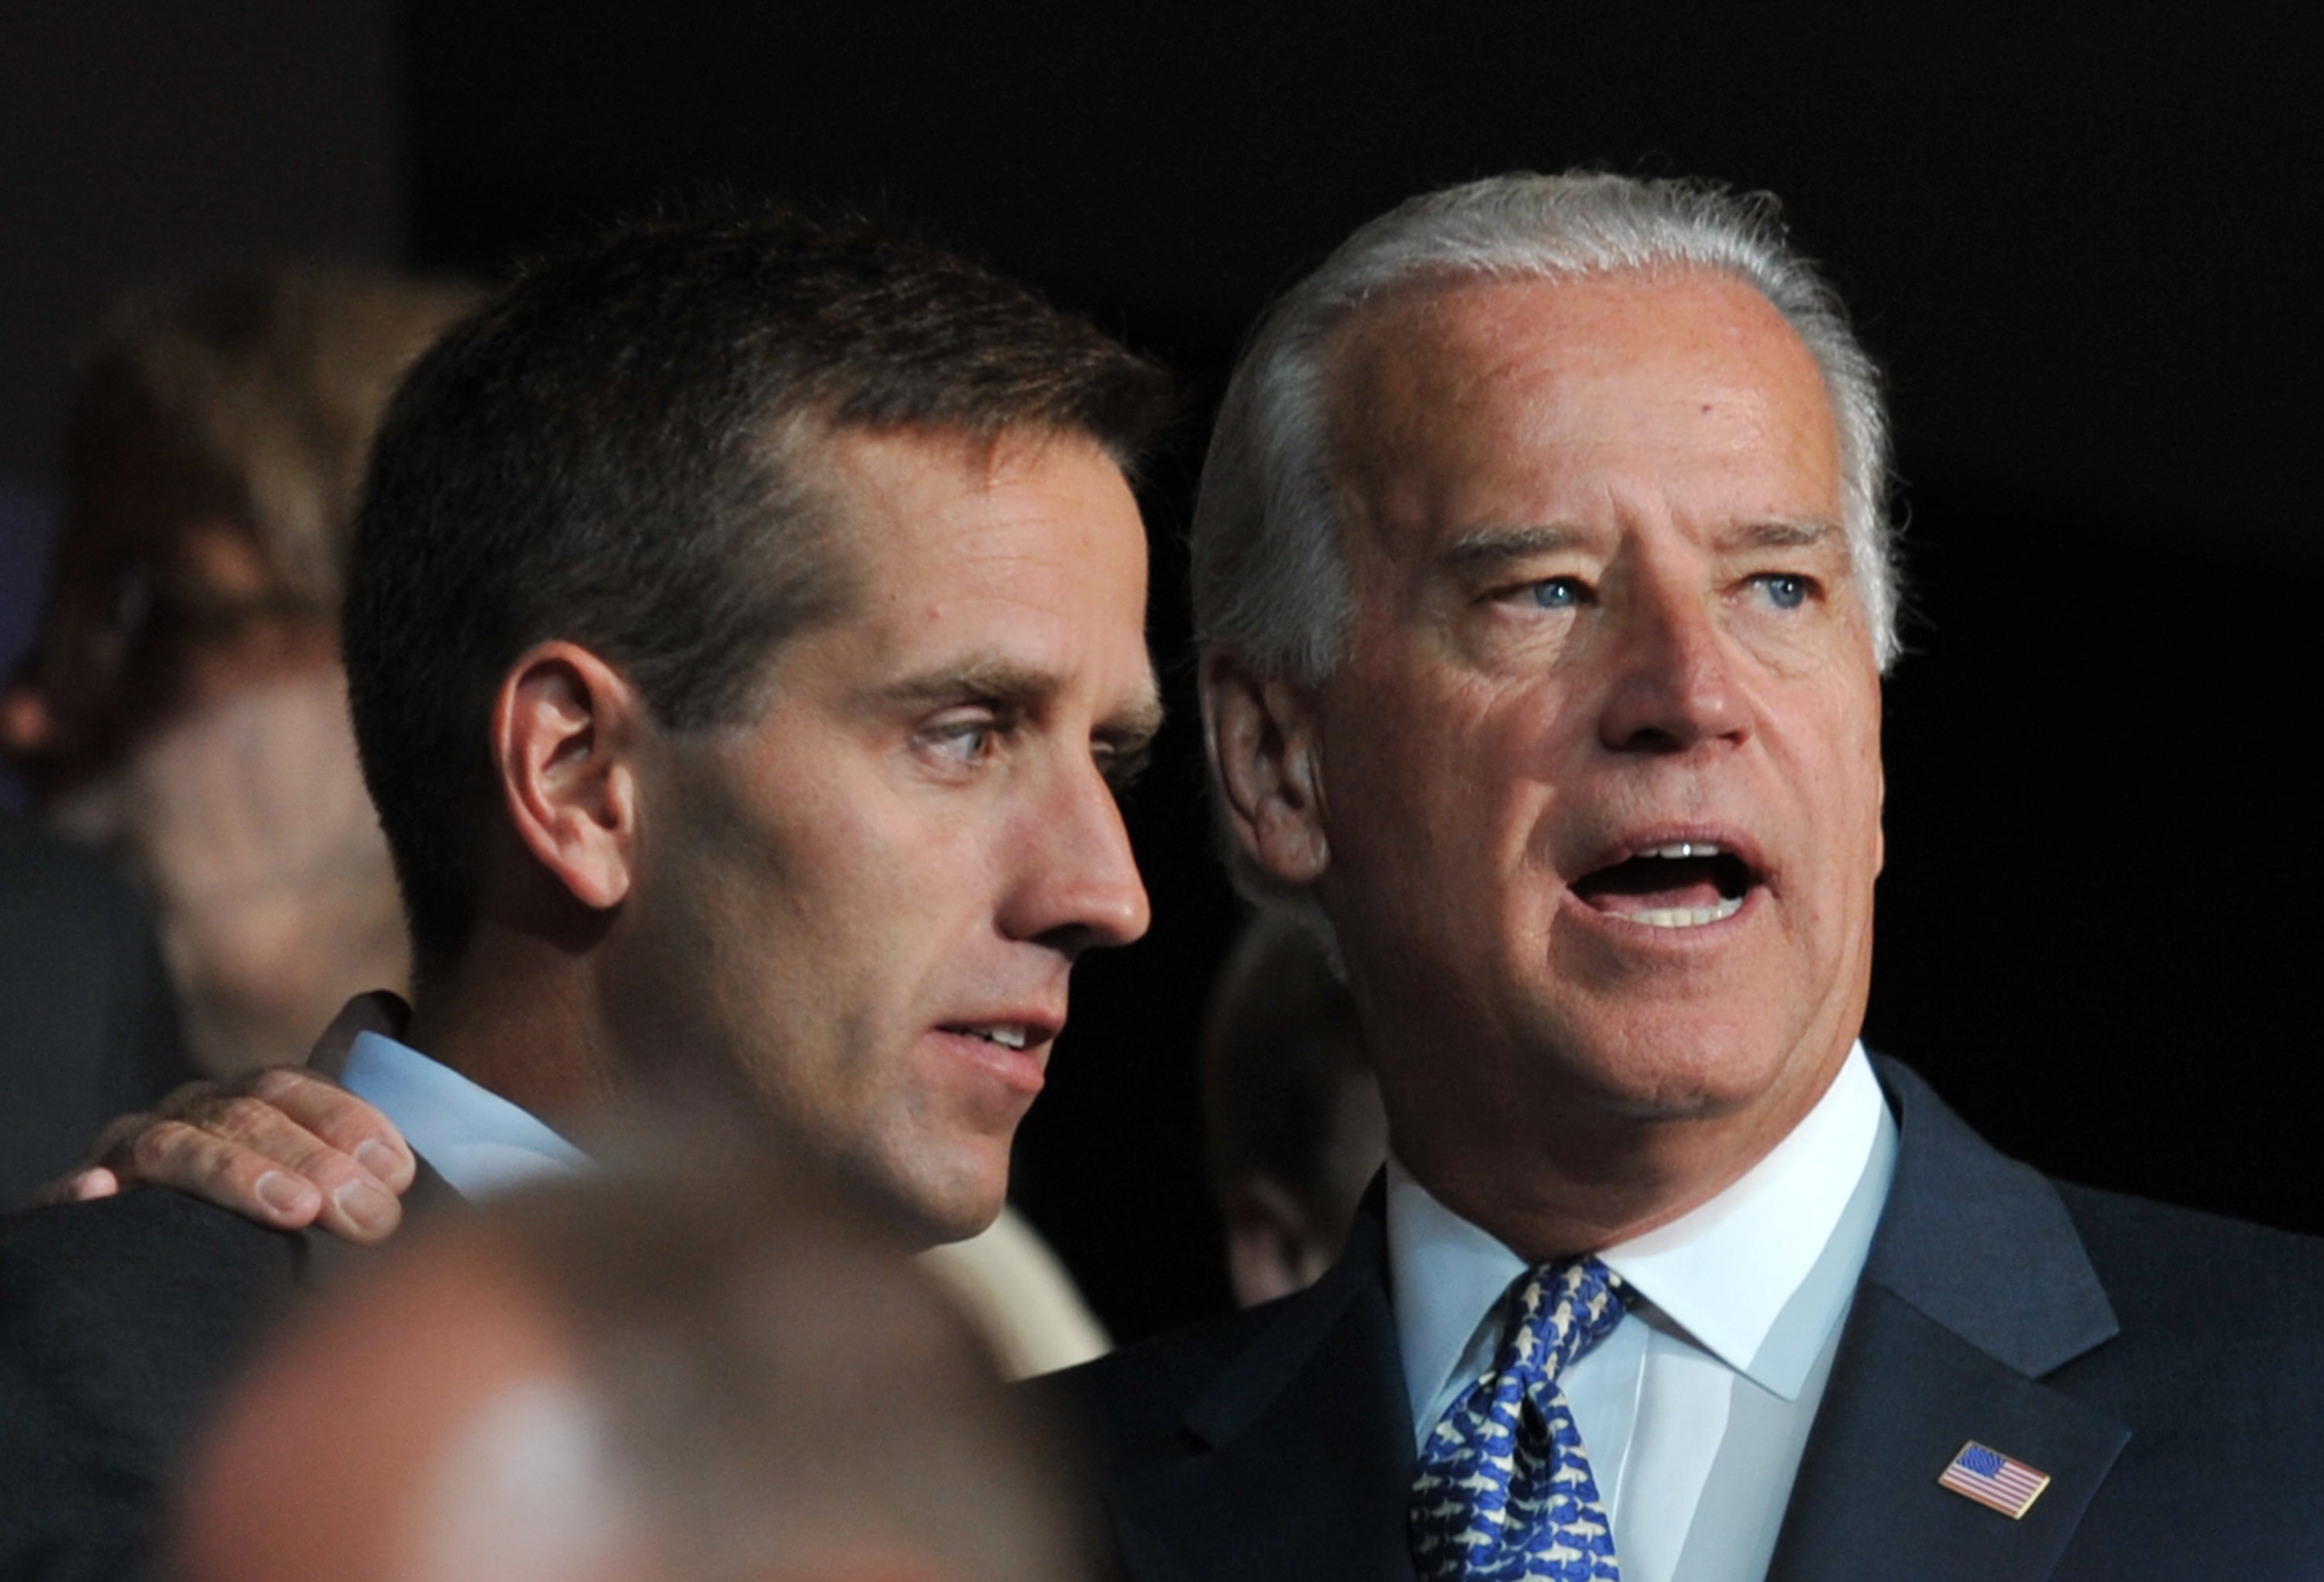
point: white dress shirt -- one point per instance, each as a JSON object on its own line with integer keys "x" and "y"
{"x": 477, "y": 1140}
{"x": 1696, "y": 1408}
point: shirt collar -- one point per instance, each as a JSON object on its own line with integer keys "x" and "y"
{"x": 478, "y": 1141}
{"x": 1723, "y": 1272}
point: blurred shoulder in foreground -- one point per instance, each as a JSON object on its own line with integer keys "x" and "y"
{"x": 634, "y": 1377}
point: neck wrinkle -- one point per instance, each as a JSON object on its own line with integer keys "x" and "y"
{"x": 1634, "y": 1175}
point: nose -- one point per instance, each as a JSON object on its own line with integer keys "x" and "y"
{"x": 1675, "y": 679}
{"x": 1079, "y": 885}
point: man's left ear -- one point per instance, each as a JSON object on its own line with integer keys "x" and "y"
{"x": 566, "y": 731}
{"x": 1264, "y": 745}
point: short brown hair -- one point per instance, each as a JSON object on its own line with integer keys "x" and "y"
{"x": 610, "y": 454}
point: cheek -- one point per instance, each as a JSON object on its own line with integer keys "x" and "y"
{"x": 883, "y": 912}
{"x": 1435, "y": 797}
{"x": 1861, "y": 773}
{"x": 1386, "y": 788}
{"x": 1833, "y": 763}
{"x": 1407, "y": 733}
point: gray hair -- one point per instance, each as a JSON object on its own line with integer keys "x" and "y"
{"x": 1271, "y": 581}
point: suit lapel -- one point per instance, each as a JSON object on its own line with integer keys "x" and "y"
{"x": 1975, "y": 1287}
{"x": 1905, "y": 1393}
{"x": 1302, "y": 1449}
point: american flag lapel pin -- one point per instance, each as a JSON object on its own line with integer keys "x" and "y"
{"x": 1990, "y": 1478}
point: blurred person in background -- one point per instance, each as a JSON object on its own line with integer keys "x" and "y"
{"x": 184, "y": 709}
{"x": 1291, "y": 1107}
{"x": 648, "y": 1379}
{"x": 87, "y": 1025}
{"x": 27, "y": 526}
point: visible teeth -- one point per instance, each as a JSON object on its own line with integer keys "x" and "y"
{"x": 1012, "y": 1038}
{"x": 1684, "y": 848}
{"x": 1687, "y": 917}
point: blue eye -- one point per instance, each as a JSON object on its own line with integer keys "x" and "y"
{"x": 964, "y": 742}
{"x": 1558, "y": 592}
{"x": 1784, "y": 591}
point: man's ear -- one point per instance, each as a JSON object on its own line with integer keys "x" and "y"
{"x": 1264, "y": 744}
{"x": 1275, "y": 1247}
{"x": 566, "y": 727}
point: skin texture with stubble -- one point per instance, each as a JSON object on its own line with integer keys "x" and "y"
{"x": 1593, "y": 801}
{"x": 862, "y": 906}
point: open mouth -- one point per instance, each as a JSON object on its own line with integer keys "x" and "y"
{"x": 1008, "y": 1036}
{"x": 1684, "y": 885}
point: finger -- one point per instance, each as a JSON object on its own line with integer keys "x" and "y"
{"x": 243, "y": 1146}
{"x": 337, "y": 1117}
{"x": 90, "y": 1179}
{"x": 259, "y": 1161}
{"x": 361, "y": 1210}
{"x": 172, "y": 1153}
{"x": 78, "y": 1186}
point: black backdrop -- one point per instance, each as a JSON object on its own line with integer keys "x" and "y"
{"x": 2082, "y": 243}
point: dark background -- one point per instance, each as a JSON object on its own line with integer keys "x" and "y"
{"x": 2081, "y": 241}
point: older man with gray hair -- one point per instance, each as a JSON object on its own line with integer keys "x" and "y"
{"x": 1544, "y": 583}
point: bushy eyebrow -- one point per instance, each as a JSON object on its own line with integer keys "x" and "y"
{"x": 1482, "y": 549}
{"x": 1806, "y": 533}
{"x": 989, "y": 681}
{"x": 1133, "y": 730}
{"x": 1012, "y": 688}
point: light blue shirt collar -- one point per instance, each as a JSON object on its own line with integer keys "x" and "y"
{"x": 478, "y": 1141}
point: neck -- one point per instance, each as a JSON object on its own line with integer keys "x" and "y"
{"x": 1609, "y": 1174}
{"x": 519, "y": 1016}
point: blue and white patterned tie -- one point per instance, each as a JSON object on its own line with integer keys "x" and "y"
{"x": 1503, "y": 1493}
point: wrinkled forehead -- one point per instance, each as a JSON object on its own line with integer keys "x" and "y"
{"x": 1686, "y": 379}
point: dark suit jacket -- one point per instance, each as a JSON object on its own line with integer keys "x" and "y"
{"x": 2165, "y": 1367}
{"x": 88, "y": 1028}
{"x": 121, "y": 1323}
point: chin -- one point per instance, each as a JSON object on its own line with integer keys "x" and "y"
{"x": 1680, "y": 1073}
{"x": 948, "y": 1196}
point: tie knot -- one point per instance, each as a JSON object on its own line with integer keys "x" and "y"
{"x": 1504, "y": 1490}
{"x": 1559, "y": 1311}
